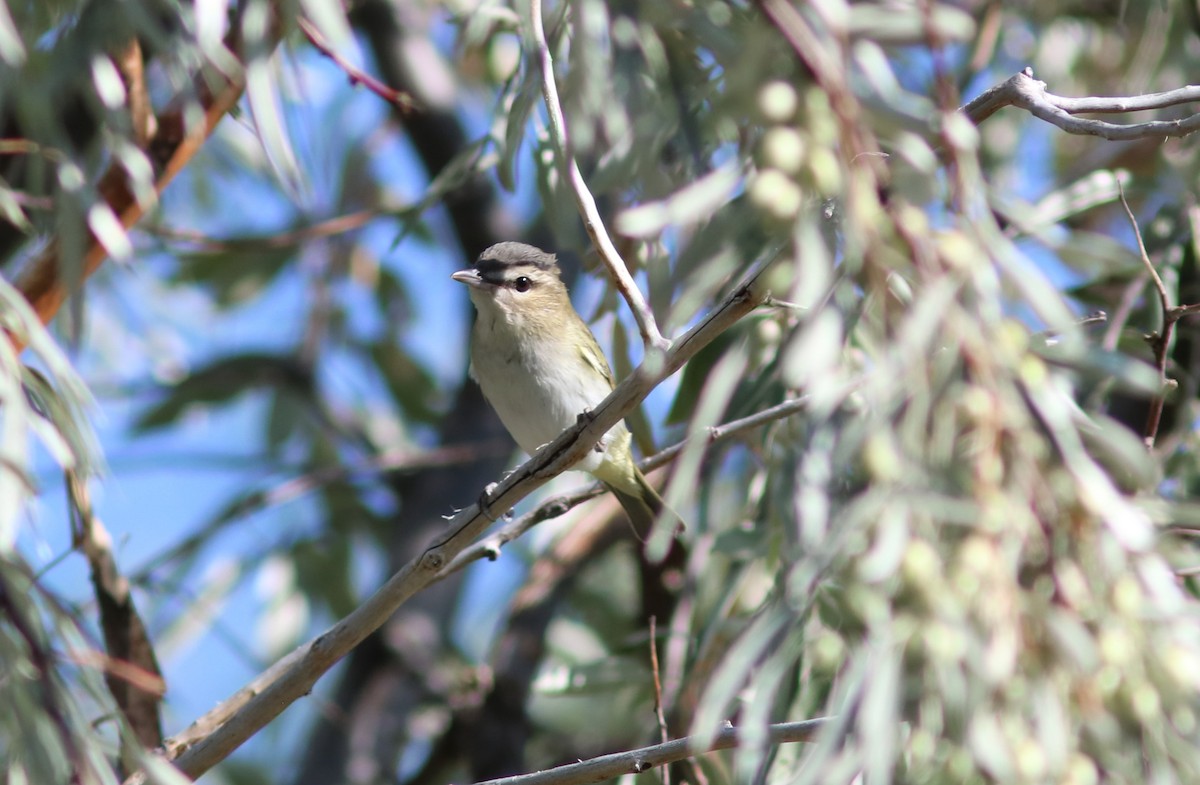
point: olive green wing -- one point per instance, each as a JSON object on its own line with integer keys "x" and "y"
{"x": 591, "y": 354}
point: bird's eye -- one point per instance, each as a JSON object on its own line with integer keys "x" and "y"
{"x": 522, "y": 284}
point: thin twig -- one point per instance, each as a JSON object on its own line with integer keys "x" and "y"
{"x": 1129, "y": 298}
{"x": 28, "y": 147}
{"x": 658, "y": 695}
{"x": 1179, "y": 311}
{"x": 584, "y": 200}
{"x": 985, "y": 39}
{"x": 327, "y": 228}
{"x": 1133, "y": 103}
{"x": 1163, "y": 296}
{"x": 658, "y": 689}
{"x": 775, "y": 302}
{"x": 403, "y": 100}
{"x": 1160, "y": 341}
{"x": 946, "y": 90}
{"x": 1051, "y": 336}
{"x": 1023, "y": 91}
{"x": 637, "y": 761}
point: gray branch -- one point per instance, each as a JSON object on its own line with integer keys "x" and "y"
{"x": 637, "y": 761}
{"x": 1023, "y": 91}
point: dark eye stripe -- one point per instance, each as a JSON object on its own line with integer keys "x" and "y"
{"x": 491, "y": 267}
{"x": 491, "y": 271}
{"x": 501, "y": 273}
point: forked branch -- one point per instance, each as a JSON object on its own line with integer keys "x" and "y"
{"x": 1022, "y": 90}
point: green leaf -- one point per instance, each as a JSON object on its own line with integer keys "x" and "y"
{"x": 236, "y": 275}
{"x": 693, "y": 203}
{"x": 262, "y": 94}
{"x": 594, "y": 678}
{"x": 224, "y": 380}
{"x": 516, "y": 122}
{"x": 329, "y": 16}
{"x": 323, "y": 567}
{"x": 893, "y": 24}
{"x": 12, "y": 49}
{"x": 411, "y": 385}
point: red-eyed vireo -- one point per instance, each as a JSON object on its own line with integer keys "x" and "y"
{"x": 540, "y": 367}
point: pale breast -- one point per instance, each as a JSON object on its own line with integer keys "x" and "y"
{"x": 539, "y": 395}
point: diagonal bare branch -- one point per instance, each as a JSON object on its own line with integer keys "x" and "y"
{"x": 637, "y": 761}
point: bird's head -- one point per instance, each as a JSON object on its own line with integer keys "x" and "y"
{"x": 517, "y": 284}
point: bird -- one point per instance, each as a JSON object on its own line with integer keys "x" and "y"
{"x": 540, "y": 367}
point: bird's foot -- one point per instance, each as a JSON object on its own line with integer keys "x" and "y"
{"x": 484, "y": 508}
{"x": 585, "y": 417}
{"x": 485, "y": 504}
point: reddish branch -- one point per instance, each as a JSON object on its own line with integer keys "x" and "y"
{"x": 357, "y": 77}
{"x": 170, "y": 148}
{"x": 130, "y": 668}
{"x": 327, "y": 228}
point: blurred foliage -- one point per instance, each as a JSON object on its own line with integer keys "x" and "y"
{"x": 962, "y": 551}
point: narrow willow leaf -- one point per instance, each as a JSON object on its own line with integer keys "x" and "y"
{"x": 911, "y": 24}
{"x": 108, "y": 230}
{"x": 12, "y": 48}
{"x": 692, "y": 203}
{"x": 516, "y": 123}
{"x": 262, "y": 94}
{"x": 329, "y": 16}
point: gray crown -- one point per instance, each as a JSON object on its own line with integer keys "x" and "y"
{"x": 504, "y": 255}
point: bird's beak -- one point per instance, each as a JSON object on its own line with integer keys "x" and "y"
{"x": 469, "y": 277}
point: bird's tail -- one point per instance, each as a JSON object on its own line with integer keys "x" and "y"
{"x": 643, "y": 505}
